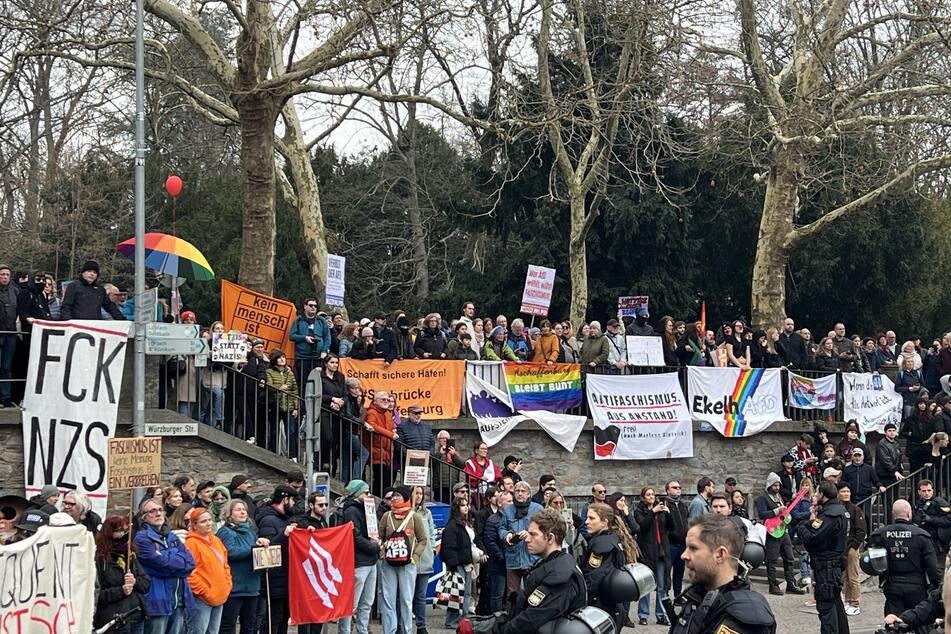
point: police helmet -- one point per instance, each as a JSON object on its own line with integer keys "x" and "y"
{"x": 753, "y": 554}
{"x": 874, "y": 561}
{"x": 627, "y": 584}
{"x": 587, "y": 620}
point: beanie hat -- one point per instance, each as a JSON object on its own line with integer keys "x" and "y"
{"x": 366, "y": 332}
{"x": 497, "y": 331}
{"x": 402, "y": 322}
{"x": 90, "y": 265}
{"x": 237, "y": 481}
{"x": 509, "y": 459}
{"x": 772, "y": 479}
{"x": 356, "y": 487}
{"x": 403, "y": 491}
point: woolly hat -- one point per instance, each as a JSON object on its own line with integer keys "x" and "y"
{"x": 237, "y": 481}
{"x": 509, "y": 459}
{"x": 356, "y": 487}
{"x": 90, "y": 265}
{"x": 772, "y": 479}
{"x": 366, "y": 332}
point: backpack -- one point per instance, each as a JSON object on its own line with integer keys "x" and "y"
{"x": 396, "y": 550}
{"x": 336, "y": 515}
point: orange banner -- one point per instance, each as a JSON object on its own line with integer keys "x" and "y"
{"x": 436, "y": 386}
{"x": 260, "y": 316}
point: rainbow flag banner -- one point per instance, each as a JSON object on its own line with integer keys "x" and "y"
{"x": 735, "y": 402}
{"x": 537, "y": 386}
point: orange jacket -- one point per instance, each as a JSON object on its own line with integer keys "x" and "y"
{"x": 547, "y": 348}
{"x": 380, "y": 440}
{"x": 211, "y": 579}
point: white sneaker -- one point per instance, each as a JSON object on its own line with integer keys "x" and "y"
{"x": 852, "y": 610}
{"x": 251, "y": 440}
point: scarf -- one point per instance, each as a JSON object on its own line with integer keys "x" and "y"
{"x": 400, "y": 510}
{"x": 521, "y": 509}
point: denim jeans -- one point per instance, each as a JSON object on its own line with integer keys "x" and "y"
{"x": 188, "y": 409}
{"x": 244, "y": 608}
{"x": 214, "y": 401}
{"x": 419, "y": 598}
{"x": 203, "y": 618}
{"x": 364, "y": 591}
{"x": 8, "y": 348}
{"x": 677, "y": 569}
{"x": 496, "y": 592}
{"x": 453, "y": 616}
{"x": 354, "y": 460}
{"x": 174, "y": 623}
{"x": 399, "y": 584}
{"x": 804, "y": 566}
{"x": 644, "y": 605}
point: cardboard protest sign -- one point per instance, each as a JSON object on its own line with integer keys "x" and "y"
{"x": 229, "y": 347}
{"x": 71, "y": 404}
{"x": 134, "y": 463}
{"x": 536, "y": 298}
{"x": 260, "y": 316}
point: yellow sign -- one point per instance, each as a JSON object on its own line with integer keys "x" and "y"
{"x": 135, "y": 462}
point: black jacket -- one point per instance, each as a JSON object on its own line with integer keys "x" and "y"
{"x": 32, "y": 302}
{"x": 652, "y": 531}
{"x": 553, "y": 587}
{"x": 677, "y": 535}
{"x": 862, "y": 480}
{"x": 825, "y": 363}
{"x": 386, "y": 343}
{"x": 431, "y": 341}
{"x": 362, "y": 350}
{"x": 734, "y": 608}
{"x": 912, "y": 561}
{"x": 601, "y": 556}
{"x": 792, "y": 348}
{"x": 887, "y": 460}
{"x": 87, "y": 301}
{"x": 271, "y": 525}
{"x": 456, "y": 549}
{"x": 112, "y": 600}
{"x": 365, "y": 552}
{"x": 857, "y": 527}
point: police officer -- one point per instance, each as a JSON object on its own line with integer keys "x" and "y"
{"x": 934, "y": 515}
{"x": 922, "y": 615}
{"x": 553, "y": 587}
{"x": 825, "y": 537}
{"x": 912, "y": 562}
{"x": 604, "y": 554}
{"x": 719, "y": 600}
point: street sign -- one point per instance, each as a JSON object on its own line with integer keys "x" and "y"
{"x": 171, "y": 429}
{"x": 176, "y": 346}
{"x": 159, "y": 330}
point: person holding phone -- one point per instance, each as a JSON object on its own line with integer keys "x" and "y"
{"x": 652, "y": 519}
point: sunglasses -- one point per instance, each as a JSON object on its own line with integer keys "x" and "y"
{"x": 311, "y": 305}
{"x": 320, "y": 506}
{"x": 600, "y": 491}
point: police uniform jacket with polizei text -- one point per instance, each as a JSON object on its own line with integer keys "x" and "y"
{"x": 601, "y": 557}
{"x": 911, "y": 555}
{"x": 554, "y": 587}
{"x": 826, "y": 537}
{"x": 730, "y": 609}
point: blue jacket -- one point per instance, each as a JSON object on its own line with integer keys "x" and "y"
{"x": 414, "y": 436}
{"x": 862, "y": 480}
{"x": 494, "y": 546}
{"x": 517, "y": 556}
{"x": 239, "y": 540}
{"x": 300, "y": 329}
{"x": 168, "y": 563}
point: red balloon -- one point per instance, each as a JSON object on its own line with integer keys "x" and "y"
{"x": 173, "y": 185}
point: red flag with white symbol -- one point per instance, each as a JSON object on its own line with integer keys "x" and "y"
{"x": 321, "y": 575}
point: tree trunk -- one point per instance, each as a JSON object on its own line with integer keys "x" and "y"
{"x": 772, "y": 246}
{"x": 308, "y": 198}
{"x": 578, "y": 261}
{"x": 257, "y": 116}
{"x": 418, "y": 236}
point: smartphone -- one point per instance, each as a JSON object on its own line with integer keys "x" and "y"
{"x": 451, "y": 443}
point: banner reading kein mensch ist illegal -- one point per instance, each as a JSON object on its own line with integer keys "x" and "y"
{"x": 735, "y": 402}
{"x": 71, "y": 403}
{"x": 639, "y": 417}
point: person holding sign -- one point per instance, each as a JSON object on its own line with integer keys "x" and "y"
{"x": 240, "y": 537}
{"x": 123, "y": 583}
{"x": 213, "y": 382}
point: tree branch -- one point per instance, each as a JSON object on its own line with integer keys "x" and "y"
{"x": 774, "y": 102}
{"x": 219, "y": 64}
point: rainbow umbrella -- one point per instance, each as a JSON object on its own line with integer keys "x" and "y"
{"x": 170, "y": 255}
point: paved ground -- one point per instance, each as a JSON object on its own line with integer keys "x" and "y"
{"x": 792, "y": 616}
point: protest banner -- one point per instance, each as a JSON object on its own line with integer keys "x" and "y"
{"x": 229, "y": 347}
{"x": 644, "y": 350}
{"x": 871, "y": 400}
{"x": 628, "y": 304}
{"x": 735, "y": 402}
{"x": 495, "y": 416}
{"x": 260, "y": 316}
{"x": 434, "y": 385}
{"x": 416, "y": 469}
{"x": 135, "y": 463}
{"x": 321, "y": 574}
{"x": 336, "y": 276}
{"x": 369, "y": 513}
{"x": 49, "y": 582}
{"x": 806, "y": 393}
{"x": 639, "y": 417}
{"x": 70, "y": 405}
{"x": 536, "y": 298}
{"x": 538, "y": 386}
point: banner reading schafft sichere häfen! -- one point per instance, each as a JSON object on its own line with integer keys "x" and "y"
{"x": 735, "y": 402}
{"x": 639, "y": 417}
{"x": 71, "y": 403}
{"x": 436, "y": 386}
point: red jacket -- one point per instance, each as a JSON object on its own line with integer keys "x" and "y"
{"x": 380, "y": 440}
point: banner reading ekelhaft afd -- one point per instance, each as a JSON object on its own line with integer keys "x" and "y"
{"x": 735, "y": 402}
{"x": 806, "y": 393}
{"x": 537, "y": 386}
{"x": 71, "y": 403}
{"x": 870, "y": 399}
{"x": 639, "y": 417}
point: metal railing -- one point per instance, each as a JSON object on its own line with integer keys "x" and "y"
{"x": 878, "y": 506}
{"x": 246, "y": 407}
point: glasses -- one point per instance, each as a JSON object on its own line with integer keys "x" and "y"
{"x": 599, "y": 492}
{"x": 675, "y": 487}
{"x": 321, "y": 505}
{"x": 311, "y": 305}
{"x": 154, "y": 511}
